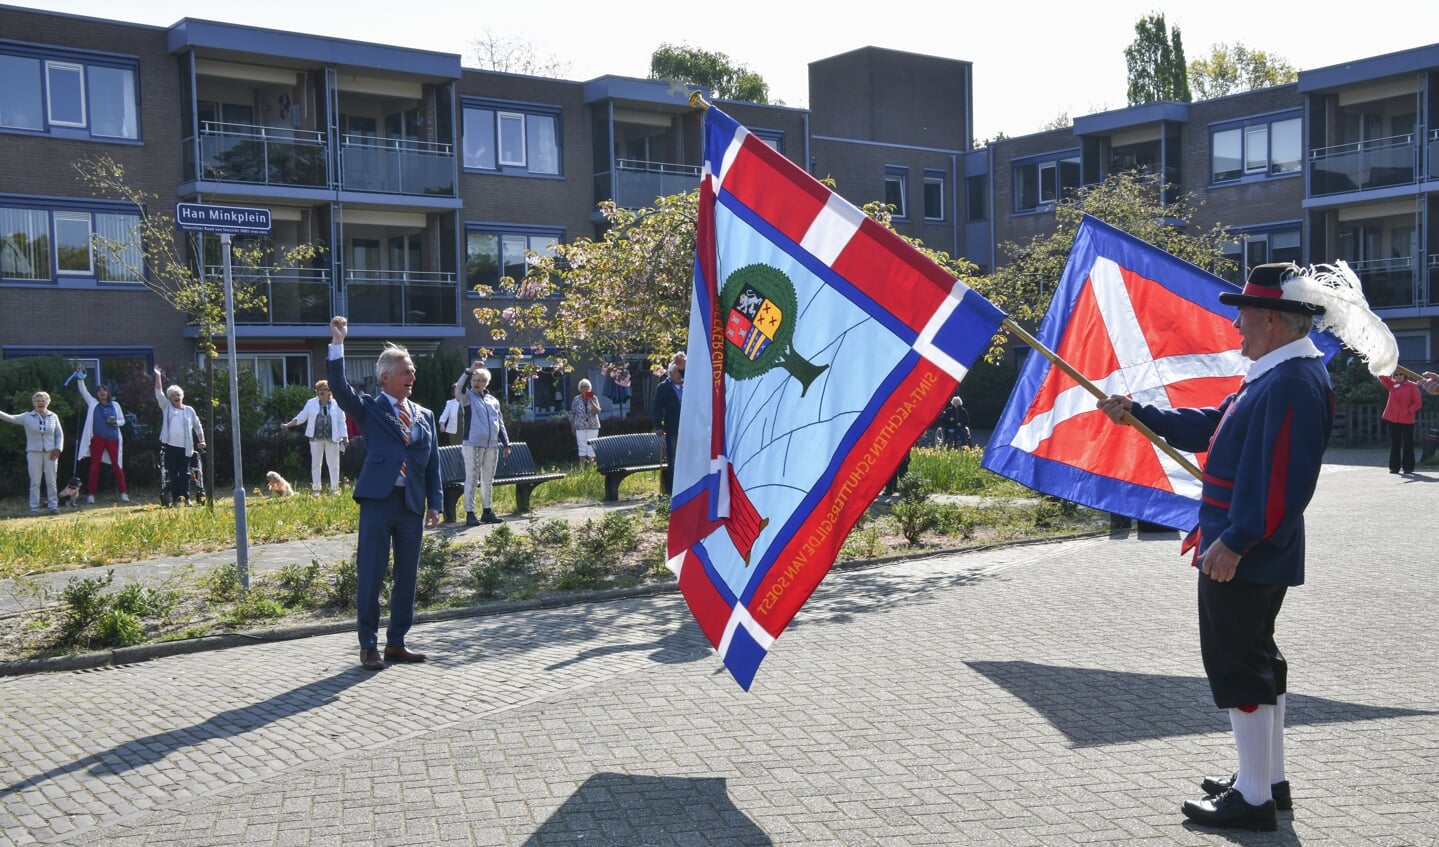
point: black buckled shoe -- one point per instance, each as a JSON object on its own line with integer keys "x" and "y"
{"x": 1230, "y": 810}
{"x": 1214, "y": 786}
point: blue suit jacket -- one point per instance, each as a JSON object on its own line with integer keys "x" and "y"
{"x": 386, "y": 447}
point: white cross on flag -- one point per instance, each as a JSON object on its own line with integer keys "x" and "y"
{"x": 1137, "y": 321}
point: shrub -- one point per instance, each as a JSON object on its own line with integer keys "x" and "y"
{"x": 434, "y": 563}
{"x": 222, "y": 584}
{"x": 119, "y": 628}
{"x": 914, "y": 512}
{"x": 298, "y": 585}
{"x": 343, "y": 587}
{"x": 554, "y": 532}
{"x": 507, "y": 549}
{"x": 83, "y": 603}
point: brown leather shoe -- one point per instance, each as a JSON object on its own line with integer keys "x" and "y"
{"x": 400, "y": 654}
{"x": 370, "y": 660}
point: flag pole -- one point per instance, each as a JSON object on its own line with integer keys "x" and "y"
{"x": 1078, "y": 377}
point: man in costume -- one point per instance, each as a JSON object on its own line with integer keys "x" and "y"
{"x": 1266, "y": 444}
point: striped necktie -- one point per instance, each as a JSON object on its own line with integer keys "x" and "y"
{"x": 403, "y": 411}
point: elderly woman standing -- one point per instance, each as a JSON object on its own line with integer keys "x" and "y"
{"x": 180, "y": 435}
{"x": 585, "y": 419}
{"x": 101, "y": 439}
{"x": 326, "y": 428}
{"x": 43, "y": 442}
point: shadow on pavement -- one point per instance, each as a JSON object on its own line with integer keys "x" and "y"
{"x": 1095, "y": 707}
{"x": 685, "y": 644}
{"x": 153, "y": 748}
{"x": 618, "y": 808}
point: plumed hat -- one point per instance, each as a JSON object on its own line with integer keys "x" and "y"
{"x": 1270, "y": 287}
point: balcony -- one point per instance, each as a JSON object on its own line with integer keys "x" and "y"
{"x": 1361, "y": 165}
{"x": 1432, "y": 277}
{"x": 404, "y": 298}
{"x": 260, "y": 155}
{"x": 1434, "y": 154}
{"x": 638, "y": 183}
{"x": 1388, "y": 283}
{"x": 292, "y": 295}
{"x": 394, "y": 166}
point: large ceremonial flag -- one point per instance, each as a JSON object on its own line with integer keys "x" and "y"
{"x": 1133, "y": 320}
{"x": 831, "y": 345}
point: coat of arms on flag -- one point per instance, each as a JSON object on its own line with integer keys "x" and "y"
{"x": 831, "y": 345}
{"x": 1133, "y": 320}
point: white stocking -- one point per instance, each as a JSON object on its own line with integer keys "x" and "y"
{"x": 1254, "y": 736}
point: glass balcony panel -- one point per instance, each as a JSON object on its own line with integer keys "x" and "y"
{"x": 1361, "y": 165}
{"x": 639, "y": 183}
{"x": 1388, "y": 283}
{"x": 291, "y": 295}
{"x": 258, "y": 154}
{"x": 405, "y": 298}
{"x": 388, "y": 166}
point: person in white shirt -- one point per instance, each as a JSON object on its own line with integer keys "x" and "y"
{"x": 449, "y": 421}
{"x": 43, "y": 442}
{"x": 324, "y": 423}
{"x": 180, "y": 436}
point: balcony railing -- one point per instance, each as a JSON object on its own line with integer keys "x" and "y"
{"x": 639, "y": 183}
{"x": 1434, "y": 154}
{"x": 1364, "y": 164}
{"x": 392, "y": 166}
{"x": 292, "y": 295}
{"x": 1388, "y": 283}
{"x": 261, "y": 154}
{"x": 407, "y": 298}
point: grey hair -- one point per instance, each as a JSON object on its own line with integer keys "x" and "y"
{"x": 584, "y": 383}
{"x": 175, "y": 391}
{"x": 389, "y": 357}
{"x": 37, "y": 395}
{"x": 1299, "y": 323}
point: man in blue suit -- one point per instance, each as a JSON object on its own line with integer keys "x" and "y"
{"x": 400, "y": 475}
{"x": 668, "y": 397}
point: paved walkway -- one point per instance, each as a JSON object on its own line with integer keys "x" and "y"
{"x": 1035, "y": 695}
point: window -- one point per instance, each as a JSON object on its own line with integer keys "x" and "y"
{"x": 1413, "y": 346}
{"x": 894, "y": 190}
{"x": 1268, "y": 148}
{"x": 41, "y": 244}
{"x": 490, "y": 255}
{"x": 1037, "y": 185}
{"x": 511, "y": 139}
{"x": 976, "y": 189}
{"x": 933, "y": 196}
{"x": 1260, "y": 247}
{"x": 273, "y": 370}
{"x": 50, "y": 91}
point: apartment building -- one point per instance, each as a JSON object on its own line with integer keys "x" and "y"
{"x": 423, "y": 178}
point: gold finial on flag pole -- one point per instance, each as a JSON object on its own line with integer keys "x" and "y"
{"x": 697, "y": 100}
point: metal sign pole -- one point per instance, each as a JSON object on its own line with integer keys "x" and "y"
{"x": 242, "y": 549}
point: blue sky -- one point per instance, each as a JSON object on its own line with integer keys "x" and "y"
{"x": 1032, "y": 62}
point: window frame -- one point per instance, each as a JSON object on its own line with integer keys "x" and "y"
{"x": 896, "y": 175}
{"x": 58, "y": 215}
{"x": 512, "y": 129}
{"x": 52, "y": 65}
{"x": 1252, "y": 149}
{"x": 57, "y": 244}
{"x": 58, "y": 69}
{"x": 536, "y": 238}
{"x": 936, "y": 180}
{"x": 1050, "y": 176}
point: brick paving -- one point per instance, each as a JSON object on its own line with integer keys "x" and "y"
{"x": 1046, "y": 694}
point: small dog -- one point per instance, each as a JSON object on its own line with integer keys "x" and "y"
{"x": 70, "y": 494}
{"x": 278, "y": 485}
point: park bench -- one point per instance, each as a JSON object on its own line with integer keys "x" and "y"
{"x": 517, "y": 469}
{"x": 618, "y": 456}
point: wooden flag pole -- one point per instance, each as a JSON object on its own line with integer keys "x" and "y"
{"x": 1078, "y": 377}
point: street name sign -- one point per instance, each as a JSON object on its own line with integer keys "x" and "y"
{"x": 237, "y": 220}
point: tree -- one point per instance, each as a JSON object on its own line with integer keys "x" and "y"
{"x": 166, "y": 269}
{"x": 1236, "y": 69}
{"x": 715, "y": 71}
{"x": 1128, "y": 200}
{"x": 1157, "y": 70}
{"x": 626, "y": 295}
{"x": 510, "y": 55}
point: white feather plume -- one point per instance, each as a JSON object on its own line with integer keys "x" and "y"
{"x": 1346, "y": 313}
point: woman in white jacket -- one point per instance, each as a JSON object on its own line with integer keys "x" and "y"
{"x": 102, "y": 439}
{"x": 43, "y": 442}
{"x": 325, "y": 427}
{"x": 180, "y": 435}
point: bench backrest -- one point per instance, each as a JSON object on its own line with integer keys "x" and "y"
{"x": 452, "y": 464}
{"x": 518, "y": 463}
{"x": 629, "y": 450}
